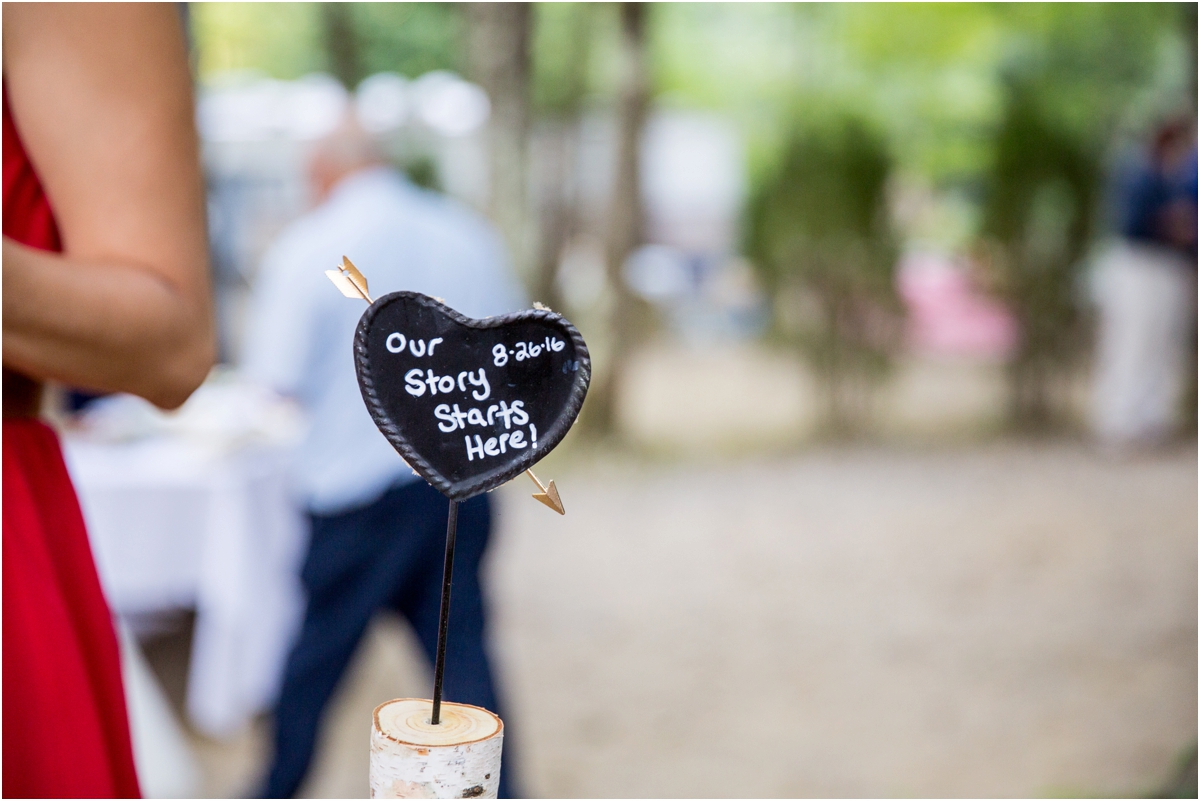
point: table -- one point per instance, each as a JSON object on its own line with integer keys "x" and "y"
{"x": 181, "y": 518}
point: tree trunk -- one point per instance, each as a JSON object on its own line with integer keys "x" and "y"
{"x": 625, "y": 217}
{"x": 341, "y": 43}
{"x": 499, "y": 61}
{"x": 411, "y": 758}
{"x": 557, "y": 213}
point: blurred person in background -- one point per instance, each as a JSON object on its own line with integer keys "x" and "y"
{"x": 105, "y": 287}
{"x": 1146, "y": 292}
{"x": 377, "y": 529}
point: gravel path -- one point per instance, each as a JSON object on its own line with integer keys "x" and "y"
{"x": 1010, "y": 620}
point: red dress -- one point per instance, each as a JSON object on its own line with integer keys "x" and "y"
{"x": 66, "y": 733}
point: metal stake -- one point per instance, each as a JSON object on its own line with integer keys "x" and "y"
{"x": 439, "y": 665}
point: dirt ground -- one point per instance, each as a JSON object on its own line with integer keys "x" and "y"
{"x": 1011, "y": 619}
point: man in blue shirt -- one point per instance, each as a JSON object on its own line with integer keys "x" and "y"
{"x": 377, "y": 529}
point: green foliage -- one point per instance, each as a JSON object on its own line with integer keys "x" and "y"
{"x": 282, "y": 40}
{"x": 927, "y": 75}
{"x": 409, "y": 38}
{"x": 818, "y": 232}
{"x": 422, "y": 171}
{"x": 1038, "y": 215}
{"x": 1182, "y": 783}
{"x": 561, "y": 55}
{"x": 287, "y": 40}
{"x": 1086, "y": 63}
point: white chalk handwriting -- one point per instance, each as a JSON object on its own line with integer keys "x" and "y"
{"x": 415, "y": 383}
{"x": 396, "y": 343}
{"x": 519, "y": 432}
{"x": 525, "y": 350}
{"x": 494, "y": 446}
{"x": 454, "y": 418}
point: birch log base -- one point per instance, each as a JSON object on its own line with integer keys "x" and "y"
{"x": 411, "y": 758}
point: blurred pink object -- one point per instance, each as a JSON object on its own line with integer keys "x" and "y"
{"x": 948, "y": 315}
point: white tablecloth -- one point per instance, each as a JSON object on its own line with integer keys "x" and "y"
{"x": 179, "y": 523}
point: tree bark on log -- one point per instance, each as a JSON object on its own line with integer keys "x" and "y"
{"x": 411, "y": 758}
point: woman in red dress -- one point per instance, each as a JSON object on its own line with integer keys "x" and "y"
{"x": 105, "y": 286}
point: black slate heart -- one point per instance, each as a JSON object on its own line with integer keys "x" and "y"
{"x": 470, "y": 404}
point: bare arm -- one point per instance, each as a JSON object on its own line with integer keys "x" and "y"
{"x": 103, "y": 102}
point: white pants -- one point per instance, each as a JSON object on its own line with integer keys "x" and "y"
{"x": 1146, "y": 297}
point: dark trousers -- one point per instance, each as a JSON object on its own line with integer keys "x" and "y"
{"x": 387, "y": 555}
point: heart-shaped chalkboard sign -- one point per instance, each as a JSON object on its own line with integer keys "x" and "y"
{"x": 469, "y": 404}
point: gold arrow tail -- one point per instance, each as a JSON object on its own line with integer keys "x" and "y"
{"x": 349, "y": 281}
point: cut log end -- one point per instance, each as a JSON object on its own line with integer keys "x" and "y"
{"x": 412, "y": 758}
{"x": 406, "y": 720}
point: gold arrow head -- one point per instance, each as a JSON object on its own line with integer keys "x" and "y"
{"x": 550, "y": 498}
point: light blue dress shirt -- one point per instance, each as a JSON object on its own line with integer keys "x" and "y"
{"x": 301, "y": 329}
